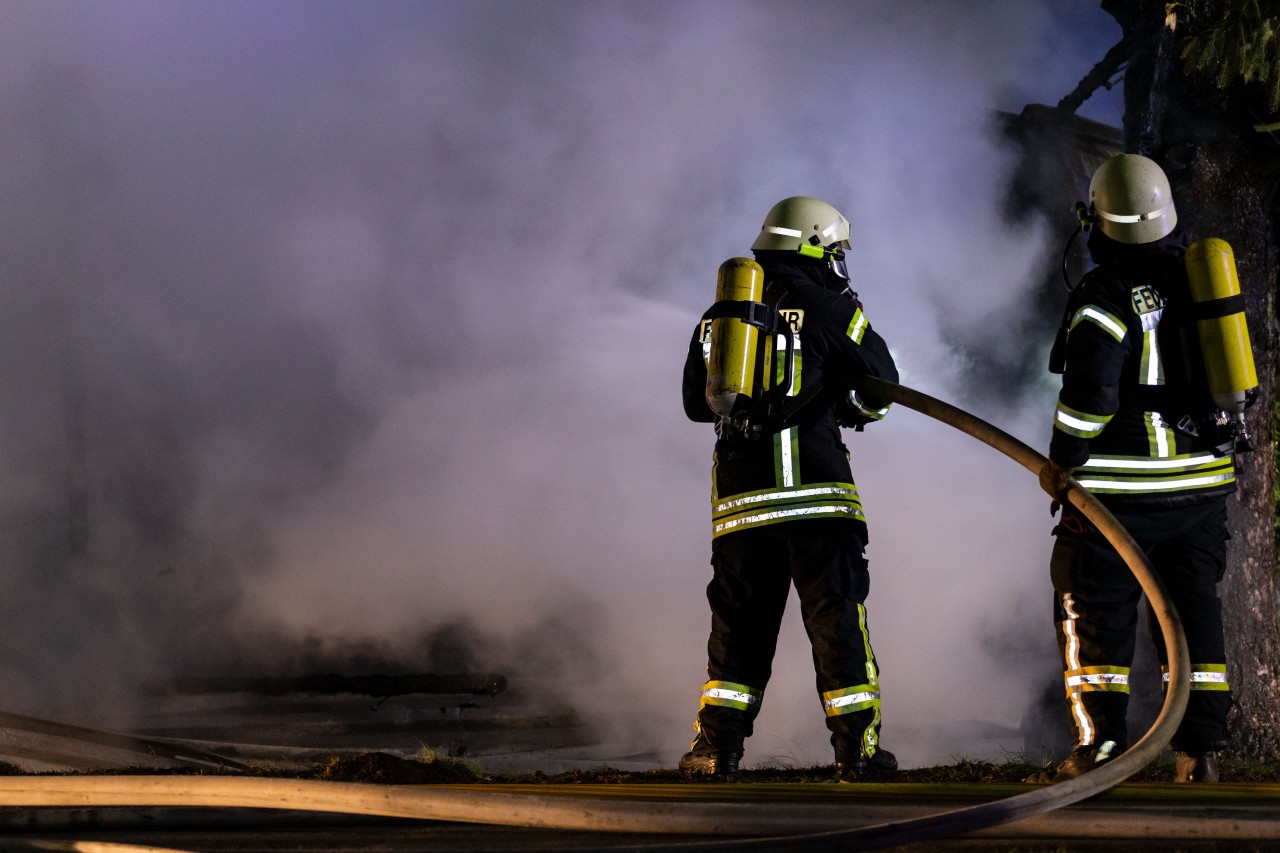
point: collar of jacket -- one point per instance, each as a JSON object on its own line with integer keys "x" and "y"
{"x": 1104, "y": 250}
{"x": 787, "y": 267}
{"x": 1158, "y": 264}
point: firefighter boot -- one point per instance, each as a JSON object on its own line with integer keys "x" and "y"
{"x": 706, "y": 759}
{"x": 1198, "y": 766}
{"x": 853, "y": 764}
{"x": 1081, "y": 760}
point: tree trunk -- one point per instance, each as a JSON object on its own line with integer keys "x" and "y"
{"x": 1224, "y": 174}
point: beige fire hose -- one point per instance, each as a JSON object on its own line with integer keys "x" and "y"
{"x": 788, "y": 827}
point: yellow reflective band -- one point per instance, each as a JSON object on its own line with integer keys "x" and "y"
{"x": 1184, "y": 462}
{"x": 1118, "y": 474}
{"x": 873, "y": 677}
{"x": 1152, "y": 369}
{"x": 850, "y": 699}
{"x": 727, "y": 694}
{"x": 1204, "y": 676}
{"x": 1156, "y": 485}
{"x": 1092, "y": 678}
{"x": 757, "y": 519}
{"x": 1084, "y": 723}
{"x": 1077, "y": 423}
{"x": 721, "y": 694}
{"x": 817, "y": 500}
{"x": 1159, "y": 437}
{"x": 1106, "y": 320}
{"x": 785, "y": 445}
{"x": 857, "y": 326}
{"x": 836, "y": 490}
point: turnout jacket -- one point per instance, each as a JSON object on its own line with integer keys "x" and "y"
{"x": 801, "y": 472}
{"x": 1134, "y": 415}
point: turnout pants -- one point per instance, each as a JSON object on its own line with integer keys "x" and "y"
{"x": 753, "y": 573}
{"x": 1096, "y": 599}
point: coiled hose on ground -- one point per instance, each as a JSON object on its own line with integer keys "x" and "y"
{"x": 715, "y": 819}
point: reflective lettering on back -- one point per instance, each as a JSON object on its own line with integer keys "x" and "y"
{"x": 793, "y": 316}
{"x": 1148, "y": 304}
{"x": 705, "y": 334}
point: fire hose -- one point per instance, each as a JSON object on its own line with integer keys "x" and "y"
{"x": 787, "y": 832}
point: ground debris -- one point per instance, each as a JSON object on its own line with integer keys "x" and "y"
{"x": 381, "y": 768}
{"x": 962, "y": 772}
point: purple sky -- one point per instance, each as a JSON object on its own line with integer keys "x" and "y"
{"x": 368, "y": 316}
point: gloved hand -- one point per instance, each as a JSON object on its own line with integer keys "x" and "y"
{"x": 1053, "y": 479}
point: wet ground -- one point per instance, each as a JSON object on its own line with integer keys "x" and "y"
{"x": 324, "y": 738}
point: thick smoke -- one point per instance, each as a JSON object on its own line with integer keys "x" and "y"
{"x": 337, "y": 323}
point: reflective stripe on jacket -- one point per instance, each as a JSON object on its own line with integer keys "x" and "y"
{"x": 801, "y": 472}
{"x": 1133, "y": 413}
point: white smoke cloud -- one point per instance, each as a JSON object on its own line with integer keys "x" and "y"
{"x": 376, "y": 315}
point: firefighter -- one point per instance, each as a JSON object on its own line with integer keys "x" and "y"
{"x": 785, "y": 509}
{"x": 1136, "y": 425}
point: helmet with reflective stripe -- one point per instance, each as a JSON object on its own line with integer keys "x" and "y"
{"x": 802, "y": 221}
{"x": 1130, "y": 200}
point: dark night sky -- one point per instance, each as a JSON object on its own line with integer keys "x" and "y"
{"x": 349, "y": 319}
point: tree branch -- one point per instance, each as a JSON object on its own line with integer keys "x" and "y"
{"x": 1116, "y": 57}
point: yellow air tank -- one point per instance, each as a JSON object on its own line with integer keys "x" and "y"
{"x": 1224, "y": 334}
{"x": 1220, "y": 320}
{"x": 731, "y": 369}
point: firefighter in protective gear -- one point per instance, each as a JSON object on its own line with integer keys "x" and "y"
{"x": 1135, "y": 425}
{"x": 785, "y": 509}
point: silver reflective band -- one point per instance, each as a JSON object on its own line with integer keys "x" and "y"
{"x": 1137, "y": 217}
{"x": 1097, "y": 678}
{"x": 1214, "y": 677}
{"x": 1103, "y": 320}
{"x": 1201, "y": 677}
{"x": 859, "y": 327}
{"x": 1184, "y": 462}
{"x": 731, "y": 695}
{"x": 826, "y": 232}
{"x": 788, "y": 495}
{"x": 1085, "y": 426}
{"x": 788, "y": 466}
{"x": 765, "y": 517}
{"x": 785, "y": 232}
{"x": 853, "y": 698}
{"x": 1155, "y": 485}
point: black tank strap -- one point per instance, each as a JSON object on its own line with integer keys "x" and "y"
{"x": 1215, "y": 308}
{"x": 753, "y": 313}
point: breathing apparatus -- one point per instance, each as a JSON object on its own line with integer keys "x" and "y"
{"x": 746, "y": 389}
{"x": 1224, "y": 334}
{"x": 1130, "y": 202}
{"x": 737, "y": 365}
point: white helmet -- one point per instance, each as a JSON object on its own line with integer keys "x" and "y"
{"x": 808, "y": 226}
{"x": 1130, "y": 200}
{"x": 802, "y": 220}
